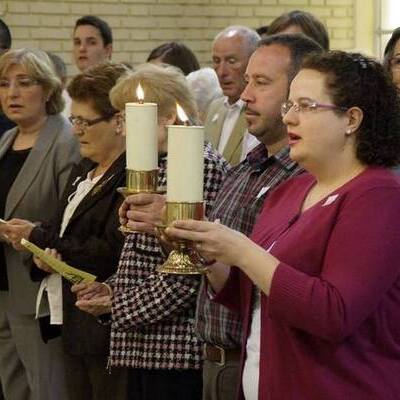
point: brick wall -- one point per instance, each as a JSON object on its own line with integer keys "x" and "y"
{"x": 140, "y": 25}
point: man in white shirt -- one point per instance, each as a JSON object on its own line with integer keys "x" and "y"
{"x": 225, "y": 125}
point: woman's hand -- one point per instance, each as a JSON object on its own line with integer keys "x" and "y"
{"x": 17, "y": 229}
{"x": 212, "y": 240}
{"x": 4, "y": 231}
{"x": 42, "y": 265}
{"x": 229, "y": 247}
{"x": 87, "y": 291}
{"x": 94, "y": 298}
{"x": 142, "y": 212}
{"x": 95, "y": 306}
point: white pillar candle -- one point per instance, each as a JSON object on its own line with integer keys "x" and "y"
{"x": 141, "y": 136}
{"x": 185, "y": 166}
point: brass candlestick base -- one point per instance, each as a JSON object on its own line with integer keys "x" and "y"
{"x": 183, "y": 259}
{"x": 138, "y": 182}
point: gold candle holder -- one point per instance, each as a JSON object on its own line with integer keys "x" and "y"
{"x": 183, "y": 259}
{"x": 138, "y": 182}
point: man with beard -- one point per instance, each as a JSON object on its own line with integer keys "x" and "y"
{"x": 225, "y": 125}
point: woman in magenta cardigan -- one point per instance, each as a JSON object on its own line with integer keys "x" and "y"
{"x": 318, "y": 286}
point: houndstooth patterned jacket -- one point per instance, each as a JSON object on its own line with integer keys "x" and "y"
{"x": 152, "y": 313}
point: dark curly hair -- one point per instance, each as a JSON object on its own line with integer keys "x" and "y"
{"x": 353, "y": 80}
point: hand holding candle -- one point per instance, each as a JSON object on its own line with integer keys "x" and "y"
{"x": 185, "y": 181}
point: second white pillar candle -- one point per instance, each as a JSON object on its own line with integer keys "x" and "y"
{"x": 185, "y": 166}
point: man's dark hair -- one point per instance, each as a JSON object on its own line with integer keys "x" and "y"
{"x": 5, "y": 36}
{"x": 354, "y": 80}
{"x": 299, "y": 45}
{"x": 308, "y": 23}
{"x": 262, "y": 30}
{"x": 389, "y": 49}
{"x": 176, "y": 54}
{"x": 101, "y": 25}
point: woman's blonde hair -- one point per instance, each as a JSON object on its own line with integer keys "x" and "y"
{"x": 40, "y": 68}
{"x": 165, "y": 86}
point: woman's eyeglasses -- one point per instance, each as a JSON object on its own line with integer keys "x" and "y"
{"x": 20, "y": 83}
{"x": 306, "y": 106}
{"x": 83, "y": 123}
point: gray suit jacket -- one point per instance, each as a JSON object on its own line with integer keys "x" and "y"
{"x": 213, "y": 127}
{"x": 34, "y": 196}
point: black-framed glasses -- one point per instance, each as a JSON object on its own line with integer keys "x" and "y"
{"x": 84, "y": 123}
{"x": 307, "y": 105}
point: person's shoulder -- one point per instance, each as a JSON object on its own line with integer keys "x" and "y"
{"x": 61, "y": 124}
{"x": 7, "y": 134}
{"x": 213, "y": 108}
{"x": 217, "y": 103}
{"x": 374, "y": 182}
{"x": 63, "y": 131}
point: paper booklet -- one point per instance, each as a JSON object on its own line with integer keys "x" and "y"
{"x": 72, "y": 274}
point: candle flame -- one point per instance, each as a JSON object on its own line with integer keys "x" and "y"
{"x": 140, "y": 93}
{"x": 181, "y": 114}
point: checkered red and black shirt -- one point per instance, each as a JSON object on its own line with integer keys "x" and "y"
{"x": 152, "y": 313}
{"x": 237, "y": 205}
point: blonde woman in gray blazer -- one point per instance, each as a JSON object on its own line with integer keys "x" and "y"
{"x": 35, "y": 160}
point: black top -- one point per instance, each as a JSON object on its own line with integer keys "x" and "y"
{"x": 10, "y": 165}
